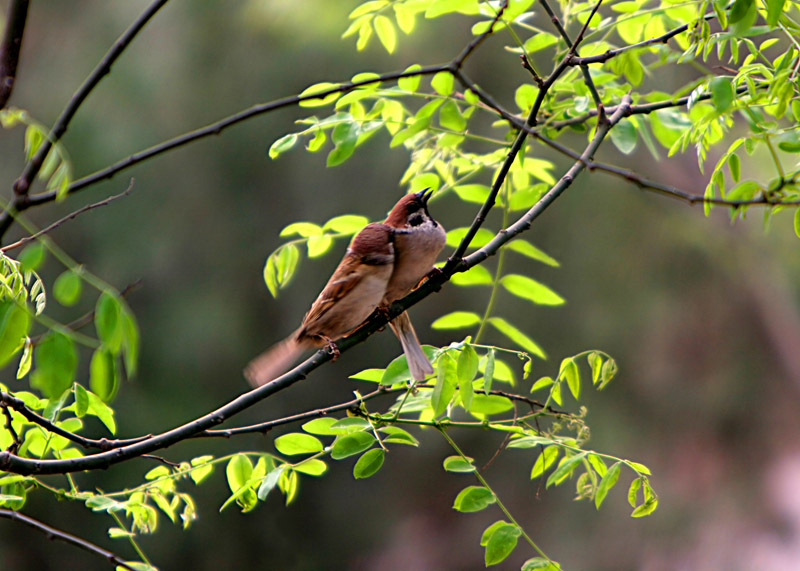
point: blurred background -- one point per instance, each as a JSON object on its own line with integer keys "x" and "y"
{"x": 701, "y": 315}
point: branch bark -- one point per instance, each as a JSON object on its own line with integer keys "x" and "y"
{"x": 11, "y": 46}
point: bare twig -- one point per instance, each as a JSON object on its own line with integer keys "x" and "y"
{"x": 10, "y": 47}
{"x": 662, "y": 39}
{"x": 10, "y": 427}
{"x": 53, "y": 533}
{"x": 478, "y": 40}
{"x": 68, "y": 217}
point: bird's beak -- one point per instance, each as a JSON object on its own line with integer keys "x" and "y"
{"x": 424, "y": 194}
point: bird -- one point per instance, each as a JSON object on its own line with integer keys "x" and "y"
{"x": 418, "y": 240}
{"x": 352, "y": 293}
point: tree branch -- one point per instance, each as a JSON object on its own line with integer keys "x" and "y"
{"x": 22, "y": 184}
{"x": 53, "y": 533}
{"x": 10, "y": 48}
{"x": 68, "y": 217}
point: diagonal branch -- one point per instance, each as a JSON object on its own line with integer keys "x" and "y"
{"x": 53, "y": 533}
{"x": 22, "y": 184}
{"x": 10, "y": 47}
{"x": 67, "y": 218}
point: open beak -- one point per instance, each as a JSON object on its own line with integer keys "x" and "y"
{"x": 424, "y": 195}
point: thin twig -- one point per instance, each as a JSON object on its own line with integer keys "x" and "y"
{"x": 68, "y": 217}
{"x": 53, "y": 533}
{"x": 10, "y": 427}
{"x": 22, "y": 184}
{"x": 472, "y": 46}
{"x": 10, "y": 47}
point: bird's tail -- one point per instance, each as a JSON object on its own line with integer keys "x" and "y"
{"x": 418, "y": 363}
{"x": 275, "y": 361}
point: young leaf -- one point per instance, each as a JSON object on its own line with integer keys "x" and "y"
{"x": 56, "y": 363}
{"x": 238, "y": 472}
{"x": 386, "y": 32}
{"x": 517, "y": 336}
{"x": 15, "y": 323}
{"x": 311, "y": 467}
{"x": 565, "y": 468}
{"x": 297, "y": 443}
{"x": 397, "y": 435}
{"x": 570, "y": 373}
{"x": 351, "y": 444}
{"x": 442, "y": 82}
{"x": 369, "y": 463}
{"x": 721, "y": 93}
{"x": 530, "y": 289}
{"x": 107, "y": 321}
{"x": 456, "y": 320}
{"x": 529, "y": 250}
{"x": 606, "y": 484}
{"x": 67, "y": 288}
{"x": 446, "y": 381}
{"x": 467, "y": 369}
{"x": 102, "y": 374}
{"x": 458, "y": 465}
{"x": 501, "y": 543}
{"x": 488, "y": 372}
{"x": 31, "y": 257}
{"x": 473, "y": 499}
{"x": 545, "y": 460}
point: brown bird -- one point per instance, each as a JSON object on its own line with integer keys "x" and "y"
{"x": 352, "y": 293}
{"x": 418, "y": 239}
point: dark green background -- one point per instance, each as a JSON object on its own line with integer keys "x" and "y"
{"x": 702, "y": 316}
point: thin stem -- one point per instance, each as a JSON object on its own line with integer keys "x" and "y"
{"x": 10, "y": 47}
{"x": 500, "y": 504}
{"x": 54, "y": 533}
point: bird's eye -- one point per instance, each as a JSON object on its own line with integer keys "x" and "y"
{"x": 415, "y": 220}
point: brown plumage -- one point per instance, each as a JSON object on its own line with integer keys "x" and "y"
{"x": 418, "y": 240}
{"x": 352, "y": 293}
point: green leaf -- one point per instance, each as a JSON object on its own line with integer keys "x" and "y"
{"x": 529, "y": 250}
{"x": 67, "y": 288}
{"x": 269, "y": 481}
{"x": 107, "y": 321}
{"x": 102, "y": 411}
{"x": 485, "y": 405}
{"x": 405, "y": 17}
{"x": 540, "y": 564}
{"x": 346, "y": 224}
{"x": 446, "y": 381}
{"x": 482, "y": 237}
{"x": 474, "y": 193}
{"x": 624, "y": 135}
{"x": 467, "y": 369}
{"x": 501, "y": 543}
{"x": 646, "y": 508}
{"x": 540, "y": 41}
{"x": 297, "y": 443}
{"x": 321, "y": 426}
{"x": 473, "y": 499}
{"x": 451, "y": 118}
{"x": 722, "y": 94}
{"x": 527, "y": 288}
{"x": 81, "y": 400}
{"x": 410, "y": 83}
{"x": 565, "y": 468}
{"x": 56, "y": 363}
{"x": 488, "y": 372}
{"x": 544, "y": 460}
{"x": 386, "y": 32}
{"x": 442, "y": 82}
{"x": 440, "y": 7}
{"x": 396, "y": 372}
{"x": 130, "y": 340}
{"x": 238, "y": 472}
{"x": 311, "y": 467}
{"x": 456, "y": 320}
{"x": 369, "y": 463}
{"x": 633, "y": 491}
{"x": 280, "y": 267}
{"x": 797, "y": 222}
{"x": 608, "y": 481}
{"x": 476, "y": 275}
{"x": 26, "y": 360}
{"x": 202, "y": 468}
{"x": 102, "y": 374}
{"x": 15, "y": 322}
{"x": 397, "y": 435}
{"x": 345, "y": 136}
{"x": 569, "y": 372}
{"x": 282, "y": 145}
{"x": 351, "y": 424}
{"x": 304, "y": 229}
{"x": 458, "y": 465}
{"x": 31, "y": 257}
{"x": 517, "y": 336}
{"x": 351, "y": 444}
{"x": 322, "y": 100}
